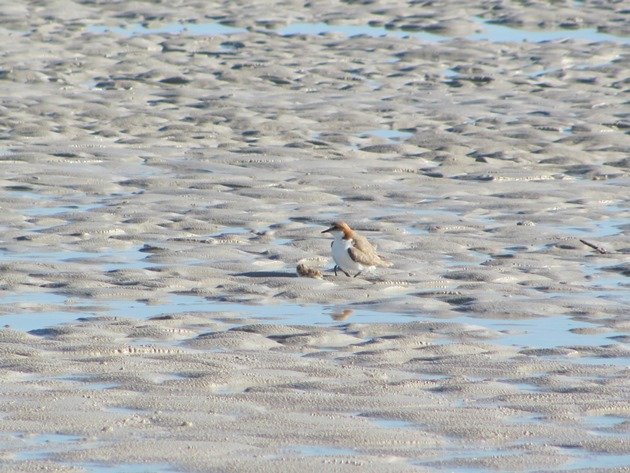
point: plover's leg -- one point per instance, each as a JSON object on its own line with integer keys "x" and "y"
{"x": 345, "y": 272}
{"x": 335, "y": 269}
{"x": 358, "y": 273}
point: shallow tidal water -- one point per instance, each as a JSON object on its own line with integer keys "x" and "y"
{"x": 154, "y": 211}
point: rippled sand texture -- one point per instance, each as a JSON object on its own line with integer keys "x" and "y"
{"x": 144, "y": 161}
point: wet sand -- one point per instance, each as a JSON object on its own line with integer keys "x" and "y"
{"x": 164, "y": 175}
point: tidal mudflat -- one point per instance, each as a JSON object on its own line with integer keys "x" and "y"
{"x": 165, "y": 168}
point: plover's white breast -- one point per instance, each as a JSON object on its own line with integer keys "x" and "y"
{"x": 341, "y": 256}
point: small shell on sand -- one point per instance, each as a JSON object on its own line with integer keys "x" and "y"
{"x": 306, "y": 272}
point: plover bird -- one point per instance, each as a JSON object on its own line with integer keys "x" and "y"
{"x": 351, "y": 251}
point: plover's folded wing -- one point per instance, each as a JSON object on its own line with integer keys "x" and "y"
{"x": 359, "y": 256}
{"x": 362, "y": 252}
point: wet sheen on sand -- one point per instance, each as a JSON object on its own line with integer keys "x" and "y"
{"x": 165, "y": 169}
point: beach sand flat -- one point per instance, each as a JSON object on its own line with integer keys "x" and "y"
{"x": 165, "y": 169}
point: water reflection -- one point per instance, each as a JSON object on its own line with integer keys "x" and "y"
{"x": 485, "y": 31}
{"x": 339, "y": 315}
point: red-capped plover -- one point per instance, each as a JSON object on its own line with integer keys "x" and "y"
{"x": 351, "y": 251}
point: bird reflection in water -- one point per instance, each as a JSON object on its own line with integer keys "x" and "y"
{"x": 341, "y": 314}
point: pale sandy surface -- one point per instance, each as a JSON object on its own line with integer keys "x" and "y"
{"x": 181, "y": 176}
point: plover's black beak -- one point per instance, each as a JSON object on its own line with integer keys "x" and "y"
{"x": 328, "y": 230}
